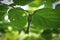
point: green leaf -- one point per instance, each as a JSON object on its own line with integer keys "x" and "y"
{"x": 48, "y": 3}
{"x": 2, "y": 16}
{"x": 31, "y": 38}
{"x": 36, "y": 3}
{"x": 17, "y": 18}
{"x": 4, "y": 27}
{"x": 3, "y": 10}
{"x": 21, "y": 2}
{"x": 47, "y": 34}
{"x": 51, "y": 1}
{"x": 57, "y": 8}
{"x": 46, "y": 19}
{"x": 58, "y": 13}
{"x": 37, "y": 30}
{"x": 57, "y": 31}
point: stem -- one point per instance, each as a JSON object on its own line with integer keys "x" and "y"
{"x": 27, "y": 30}
{"x": 29, "y": 22}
